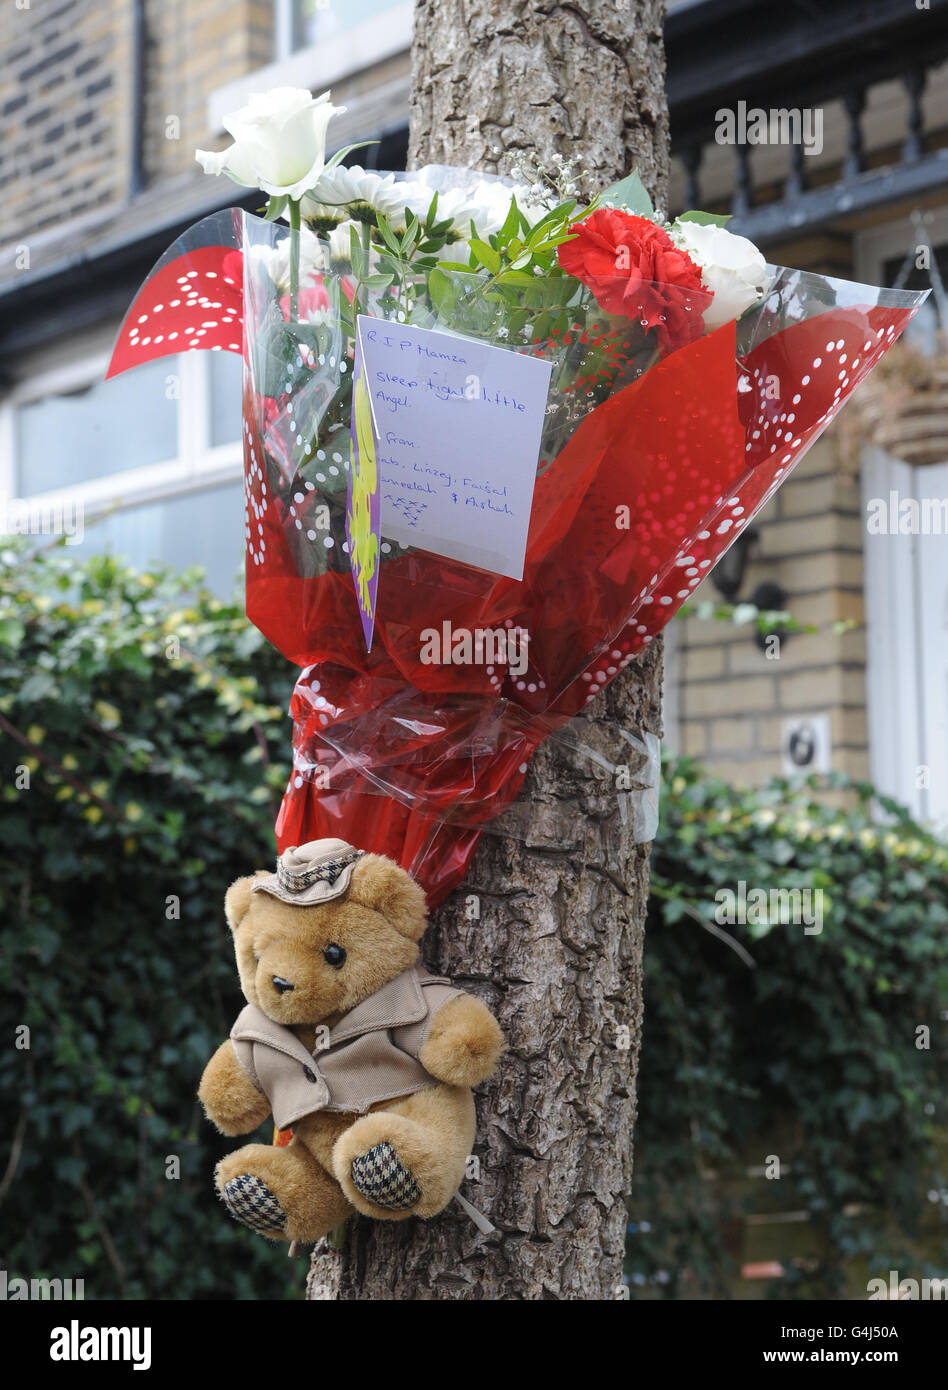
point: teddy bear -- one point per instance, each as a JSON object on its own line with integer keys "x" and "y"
{"x": 349, "y": 1043}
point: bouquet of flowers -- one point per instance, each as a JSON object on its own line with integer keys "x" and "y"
{"x": 457, "y": 588}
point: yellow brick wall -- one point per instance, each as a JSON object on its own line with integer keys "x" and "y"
{"x": 65, "y": 70}
{"x": 733, "y": 698}
{"x": 192, "y": 50}
{"x": 66, "y": 99}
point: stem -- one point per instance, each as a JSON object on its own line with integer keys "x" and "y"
{"x": 294, "y": 259}
{"x": 366, "y": 252}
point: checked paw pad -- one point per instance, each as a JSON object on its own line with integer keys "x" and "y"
{"x": 250, "y": 1201}
{"x": 383, "y": 1179}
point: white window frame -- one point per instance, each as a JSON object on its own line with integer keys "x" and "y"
{"x": 283, "y": 29}
{"x": 894, "y": 702}
{"x": 876, "y": 245}
{"x": 197, "y": 465}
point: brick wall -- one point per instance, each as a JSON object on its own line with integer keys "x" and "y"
{"x": 193, "y": 48}
{"x": 64, "y": 96}
{"x": 733, "y": 698}
{"x": 66, "y": 99}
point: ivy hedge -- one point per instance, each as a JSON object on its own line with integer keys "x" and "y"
{"x": 143, "y": 748}
{"x": 824, "y": 1050}
{"x": 143, "y": 738}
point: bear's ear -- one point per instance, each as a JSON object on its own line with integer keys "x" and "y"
{"x": 237, "y": 899}
{"x": 381, "y": 884}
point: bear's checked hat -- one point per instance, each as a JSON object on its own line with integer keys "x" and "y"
{"x": 312, "y": 873}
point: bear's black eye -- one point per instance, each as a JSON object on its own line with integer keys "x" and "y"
{"x": 334, "y": 955}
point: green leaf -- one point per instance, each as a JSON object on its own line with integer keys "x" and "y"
{"x": 276, "y": 207}
{"x": 36, "y": 687}
{"x": 12, "y": 632}
{"x": 442, "y": 291}
{"x": 271, "y": 349}
{"x": 511, "y": 223}
{"x": 356, "y": 255}
{"x": 486, "y": 255}
{"x": 706, "y": 219}
{"x": 630, "y": 194}
{"x": 556, "y": 220}
{"x": 340, "y": 155}
{"x": 516, "y": 277}
{"x": 387, "y": 235}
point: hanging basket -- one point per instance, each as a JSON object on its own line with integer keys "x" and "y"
{"x": 902, "y": 408}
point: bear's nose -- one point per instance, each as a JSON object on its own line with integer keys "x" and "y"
{"x": 280, "y": 984}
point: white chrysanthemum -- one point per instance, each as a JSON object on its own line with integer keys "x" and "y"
{"x": 316, "y": 316}
{"x": 340, "y": 242}
{"x": 487, "y": 205}
{"x": 275, "y": 260}
{"x": 341, "y": 191}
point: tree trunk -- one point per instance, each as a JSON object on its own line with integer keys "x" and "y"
{"x": 556, "y": 950}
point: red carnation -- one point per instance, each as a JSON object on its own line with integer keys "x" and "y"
{"x": 636, "y": 271}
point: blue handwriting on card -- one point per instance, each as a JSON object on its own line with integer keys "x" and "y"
{"x": 457, "y": 427}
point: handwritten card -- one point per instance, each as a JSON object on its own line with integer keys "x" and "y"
{"x": 457, "y": 432}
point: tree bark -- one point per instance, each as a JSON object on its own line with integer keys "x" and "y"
{"x": 556, "y": 950}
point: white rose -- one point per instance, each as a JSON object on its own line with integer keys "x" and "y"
{"x": 279, "y": 142}
{"x": 731, "y": 266}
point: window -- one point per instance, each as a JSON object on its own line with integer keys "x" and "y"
{"x": 906, "y": 570}
{"x": 150, "y": 460}
{"x": 84, "y": 432}
{"x": 322, "y": 47}
{"x": 303, "y": 23}
{"x": 204, "y": 527}
{"x": 907, "y": 635}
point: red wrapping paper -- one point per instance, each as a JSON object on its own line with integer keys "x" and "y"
{"x": 412, "y": 759}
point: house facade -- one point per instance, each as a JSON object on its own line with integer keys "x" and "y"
{"x": 852, "y": 181}
{"x": 102, "y": 106}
